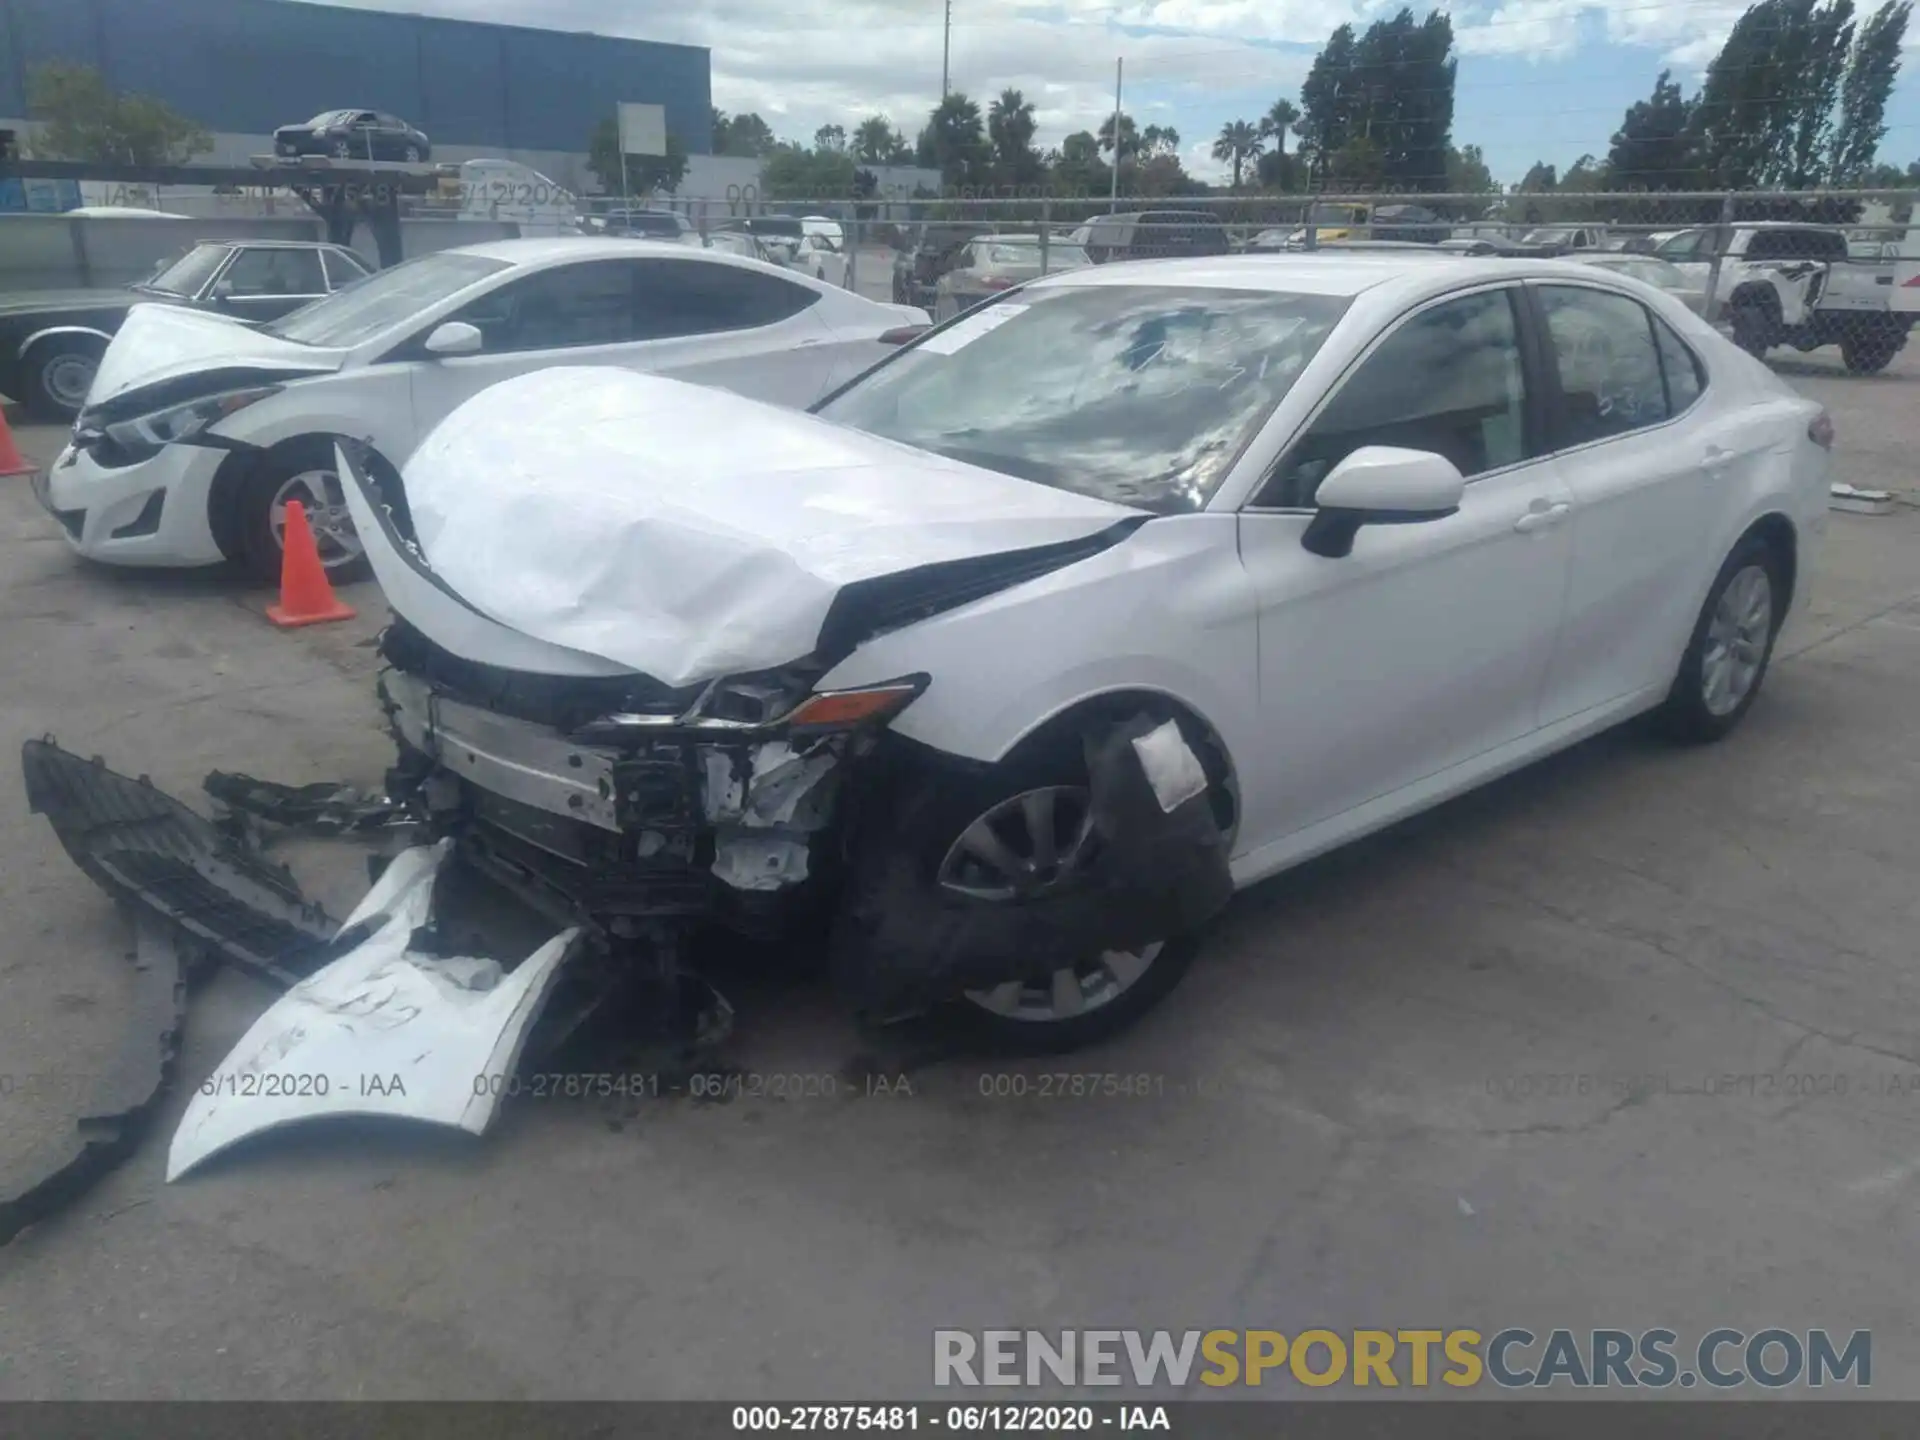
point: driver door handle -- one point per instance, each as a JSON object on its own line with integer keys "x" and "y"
{"x": 1716, "y": 460}
{"x": 1543, "y": 518}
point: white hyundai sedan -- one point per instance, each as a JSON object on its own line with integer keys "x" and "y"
{"x": 197, "y": 431}
{"x": 1136, "y": 585}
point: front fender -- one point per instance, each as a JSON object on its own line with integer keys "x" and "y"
{"x": 1168, "y": 611}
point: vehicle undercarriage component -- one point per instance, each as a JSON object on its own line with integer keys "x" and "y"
{"x": 1158, "y": 868}
{"x": 325, "y": 808}
{"x": 122, "y": 1104}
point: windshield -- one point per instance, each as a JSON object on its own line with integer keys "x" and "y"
{"x": 1027, "y": 252}
{"x": 188, "y": 274}
{"x": 1550, "y": 237}
{"x": 1139, "y": 394}
{"x": 323, "y": 118}
{"x": 380, "y": 302}
{"x": 1336, "y": 215}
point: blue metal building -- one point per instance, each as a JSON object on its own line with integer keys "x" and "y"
{"x": 242, "y": 67}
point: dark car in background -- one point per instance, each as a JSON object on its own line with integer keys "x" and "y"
{"x": 779, "y": 235}
{"x": 51, "y": 340}
{"x": 918, "y": 266}
{"x": 665, "y": 225}
{"x": 353, "y": 135}
{"x": 1152, "y": 235}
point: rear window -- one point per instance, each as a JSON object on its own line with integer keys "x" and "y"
{"x": 1797, "y": 245}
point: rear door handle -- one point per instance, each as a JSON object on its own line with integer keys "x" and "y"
{"x": 1716, "y": 460}
{"x": 1542, "y": 519}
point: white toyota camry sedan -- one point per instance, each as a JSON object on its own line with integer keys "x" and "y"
{"x": 1013, "y": 659}
{"x": 197, "y": 431}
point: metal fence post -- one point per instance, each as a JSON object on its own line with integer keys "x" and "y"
{"x": 853, "y": 251}
{"x": 1722, "y": 237}
{"x": 1046, "y": 231}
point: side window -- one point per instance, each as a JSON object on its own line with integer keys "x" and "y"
{"x": 698, "y": 297}
{"x": 590, "y": 304}
{"x": 1609, "y": 370}
{"x": 276, "y": 272}
{"x": 343, "y": 268}
{"x": 1685, "y": 378}
{"x": 1684, "y": 246}
{"x": 1449, "y": 380}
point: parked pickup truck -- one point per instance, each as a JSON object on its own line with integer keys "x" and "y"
{"x": 1783, "y": 283}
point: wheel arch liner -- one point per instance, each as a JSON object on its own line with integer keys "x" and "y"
{"x": 1161, "y": 870}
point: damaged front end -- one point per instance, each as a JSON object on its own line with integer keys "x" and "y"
{"x": 622, "y": 804}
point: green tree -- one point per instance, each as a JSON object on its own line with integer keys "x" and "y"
{"x": 1654, "y": 147}
{"x": 1238, "y": 142}
{"x": 1467, "y": 172}
{"x": 1765, "y": 114}
{"x": 1010, "y": 131}
{"x": 1159, "y": 142}
{"x": 1077, "y": 169}
{"x": 793, "y": 172}
{"x": 954, "y": 142}
{"x": 744, "y": 136}
{"x": 1356, "y": 165}
{"x": 1392, "y": 87}
{"x": 876, "y": 142}
{"x": 1281, "y": 117}
{"x": 644, "y": 173}
{"x": 82, "y": 118}
{"x": 1540, "y": 179}
{"x": 830, "y": 137}
{"x": 1871, "y": 71}
{"x": 1129, "y": 138}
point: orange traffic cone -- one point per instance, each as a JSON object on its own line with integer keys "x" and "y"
{"x": 305, "y": 596}
{"x": 12, "y": 462}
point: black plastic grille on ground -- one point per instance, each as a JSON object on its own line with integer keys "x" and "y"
{"x": 148, "y": 850}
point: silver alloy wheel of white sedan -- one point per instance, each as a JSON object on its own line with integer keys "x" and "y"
{"x": 319, "y": 493}
{"x": 1737, "y": 637}
{"x": 1022, "y": 848}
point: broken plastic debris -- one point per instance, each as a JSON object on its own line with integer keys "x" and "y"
{"x": 1172, "y": 768}
{"x": 1860, "y": 502}
{"x": 381, "y": 1031}
{"x": 755, "y": 862}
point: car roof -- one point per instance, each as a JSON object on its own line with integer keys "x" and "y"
{"x": 266, "y": 244}
{"x": 1340, "y": 273}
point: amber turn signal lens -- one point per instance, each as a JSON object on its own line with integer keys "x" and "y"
{"x": 840, "y": 709}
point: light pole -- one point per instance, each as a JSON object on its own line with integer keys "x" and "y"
{"x": 946, "y": 48}
{"x": 1113, "y": 197}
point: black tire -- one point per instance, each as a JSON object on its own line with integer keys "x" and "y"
{"x": 1870, "y": 354}
{"x": 1685, "y": 716}
{"x": 259, "y": 553}
{"x": 56, "y": 374}
{"x": 922, "y": 822}
{"x": 1752, "y": 329}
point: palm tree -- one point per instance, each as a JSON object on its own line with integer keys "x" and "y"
{"x": 874, "y": 141}
{"x": 1010, "y": 130}
{"x": 1283, "y": 116}
{"x": 1239, "y": 141}
{"x": 1129, "y": 137}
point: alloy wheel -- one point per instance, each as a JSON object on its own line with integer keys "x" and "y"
{"x": 1024, "y": 848}
{"x": 1738, "y": 635}
{"x": 320, "y": 494}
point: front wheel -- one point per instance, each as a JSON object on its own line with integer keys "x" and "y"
{"x": 1732, "y": 644}
{"x": 304, "y": 471}
{"x": 1752, "y": 330}
{"x": 1870, "y": 354}
{"x": 59, "y": 373}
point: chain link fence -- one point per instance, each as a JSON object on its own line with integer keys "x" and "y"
{"x": 1798, "y": 270}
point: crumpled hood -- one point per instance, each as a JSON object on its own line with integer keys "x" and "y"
{"x": 160, "y": 342}
{"x": 688, "y": 532}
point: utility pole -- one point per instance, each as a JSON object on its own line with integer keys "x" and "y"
{"x": 946, "y": 49}
{"x": 1113, "y": 198}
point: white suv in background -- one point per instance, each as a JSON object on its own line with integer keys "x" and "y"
{"x": 197, "y": 431}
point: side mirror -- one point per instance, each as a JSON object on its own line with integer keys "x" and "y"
{"x": 1380, "y": 485}
{"x": 455, "y": 337}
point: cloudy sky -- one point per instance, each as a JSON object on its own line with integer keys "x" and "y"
{"x": 1539, "y": 79}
